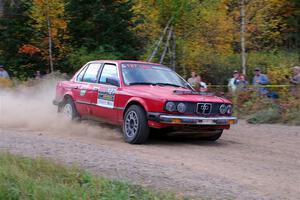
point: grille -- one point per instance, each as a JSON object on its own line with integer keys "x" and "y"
{"x": 204, "y": 108}
{"x": 198, "y": 108}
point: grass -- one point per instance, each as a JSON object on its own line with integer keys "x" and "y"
{"x": 25, "y": 178}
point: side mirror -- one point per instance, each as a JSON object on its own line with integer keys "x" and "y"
{"x": 112, "y": 81}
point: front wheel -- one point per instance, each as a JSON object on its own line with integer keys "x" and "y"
{"x": 135, "y": 125}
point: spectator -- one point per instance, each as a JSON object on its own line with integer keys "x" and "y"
{"x": 38, "y": 75}
{"x": 3, "y": 72}
{"x": 242, "y": 83}
{"x": 202, "y": 85}
{"x": 193, "y": 80}
{"x": 260, "y": 79}
{"x": 295, "y": 80}
{"x": 233, "y": 82}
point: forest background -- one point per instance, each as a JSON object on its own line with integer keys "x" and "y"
{"x": 206, "y": 35}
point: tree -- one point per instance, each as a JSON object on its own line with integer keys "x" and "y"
{"x": 103, "y": 23}
{"x": 49, "y": 22}
{"x": 15, "y": 32}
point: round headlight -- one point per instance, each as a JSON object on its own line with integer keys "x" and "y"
{"x": 170, "y": 106}
{"x": 181, "y": 107}
{"x": 223, "y": 109}
{"x": 229, "y": 109}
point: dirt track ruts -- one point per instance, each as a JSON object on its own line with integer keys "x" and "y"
{"x": 248, "y": 162}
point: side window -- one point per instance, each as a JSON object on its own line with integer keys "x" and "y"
{"x": 91, "y": 73}
{"x": 109, "y": 74}
{"x": 80, "y": 75}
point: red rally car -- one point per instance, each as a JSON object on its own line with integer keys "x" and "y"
{"x": 142, "y": 96}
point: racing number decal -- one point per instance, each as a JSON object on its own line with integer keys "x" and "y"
{"x": 106, "y": 97}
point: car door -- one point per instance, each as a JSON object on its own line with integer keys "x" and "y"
{"x": 88, "y": 86}
{"x": 77, "y": 92}
{"x": 105, "y": 96}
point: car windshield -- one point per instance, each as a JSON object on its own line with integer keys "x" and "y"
{"x": 149, "y": 74}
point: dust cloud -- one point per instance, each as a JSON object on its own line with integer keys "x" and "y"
{"x": 29, "y": 106}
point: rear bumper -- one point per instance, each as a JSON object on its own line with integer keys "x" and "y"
{"x": 193, "y": 120}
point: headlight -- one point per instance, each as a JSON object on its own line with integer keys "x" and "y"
{"x": 181, "y": 107}
{"x": 171, "y": 107}
{"x": 229, "y": 109}
{"x": 223, "y": 109}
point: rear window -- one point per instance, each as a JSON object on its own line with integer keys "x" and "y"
{"x": 91, "y": 73}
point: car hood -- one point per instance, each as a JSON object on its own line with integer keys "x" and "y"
{"x": 172, "y": 94}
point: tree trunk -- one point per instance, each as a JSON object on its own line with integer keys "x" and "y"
{"x": 49, "y": 39}
{"x": 174, "y": 52}
{"x": 166, "y": 45}
{"x": 159, "y": 41}
{"x": 243, "y": 48}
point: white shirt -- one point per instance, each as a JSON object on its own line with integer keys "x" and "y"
{"x": 203, "y": 86}
{"x": 4, "y": 74}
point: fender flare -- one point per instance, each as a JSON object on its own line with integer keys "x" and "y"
{"x": 138, "y": 101}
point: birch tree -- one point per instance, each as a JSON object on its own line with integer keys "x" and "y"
{"x": 48, "y": 16}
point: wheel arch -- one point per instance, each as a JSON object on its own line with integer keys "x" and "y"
{"x": 63, "y": 101}
{"x": 135, "y": 101}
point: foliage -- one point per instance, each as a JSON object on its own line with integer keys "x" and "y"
{"x": 268, "y": 115}
{"x": 15, "y": 31}
{"x": 102, "y": 23}
{"x": 78, "y": 57}
{"x": 25, "y": 178}
{"x": 261, "y": 109}
{"x": 44, "y": 13}
{"x": 207, "y": 34}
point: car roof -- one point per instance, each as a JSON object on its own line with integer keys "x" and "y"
{"x": 131, "y": 61}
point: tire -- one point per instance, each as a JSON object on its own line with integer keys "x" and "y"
{"x": 215, "y": 136}
{"x": 69, "y": 111}
{"x": 135, "y": 125}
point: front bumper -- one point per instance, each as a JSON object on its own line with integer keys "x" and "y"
{"x": 195, "y": 120}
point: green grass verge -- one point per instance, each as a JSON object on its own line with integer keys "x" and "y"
{"x": 25, "y": 178}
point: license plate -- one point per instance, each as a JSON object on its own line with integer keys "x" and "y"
{"x": 206, "y": 121}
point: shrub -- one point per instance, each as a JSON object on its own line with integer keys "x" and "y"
{"x": 268, "y": 115}
{"x": 261, "y": 109}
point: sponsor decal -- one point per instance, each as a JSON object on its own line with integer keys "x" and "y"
{"x": 106, "y": 97}
{"x": 82, "y": 92}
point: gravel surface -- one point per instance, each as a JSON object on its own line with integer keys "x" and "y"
{"x": 248, "y": 162}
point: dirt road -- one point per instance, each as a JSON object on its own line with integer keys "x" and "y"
{"x": 248, "y": 162}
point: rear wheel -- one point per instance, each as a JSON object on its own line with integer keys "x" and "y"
{"x": 69, "y": 110}
{"x": 214, "y": 137}
{"x": 135, "y": 125}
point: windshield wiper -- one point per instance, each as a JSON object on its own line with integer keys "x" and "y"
{"x": 160, "y": 84}
{"x": 141, "y": 83}
{"x": 169, "y": 84}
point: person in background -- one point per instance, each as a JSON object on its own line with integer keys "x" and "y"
{"x": 202, "y": 85}
{"x": 193, "y": 80}
{"x": 233, "y": 82}
{"x": 260, "y": 79}
{"x": 38, "y": 75}
{"x": 3, "y": 72}
{"x": 295, "y": 80}
{"x": 242, "y": 83}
